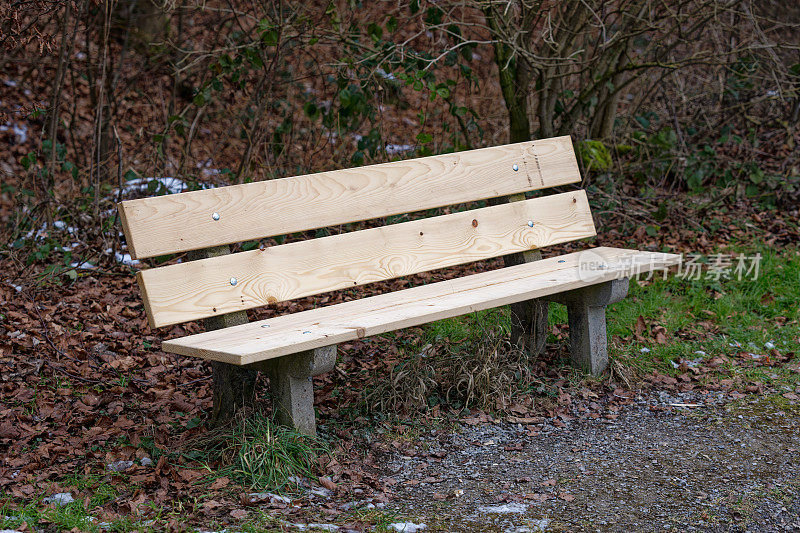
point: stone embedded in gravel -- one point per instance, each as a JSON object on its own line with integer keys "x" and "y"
{"x": 513, "y": 507}
{"x": 62, "y": 498}
{"x": 407, "y": 527}
{"x": 119, "y": 466}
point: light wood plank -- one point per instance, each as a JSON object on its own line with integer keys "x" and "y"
{"x": 198, "y": 289}
{"x": 181, "y": 222}
{"x": 348, "y": 321}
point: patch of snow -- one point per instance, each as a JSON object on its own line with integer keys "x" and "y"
{"x": 769, "y": 345}
{"x": 10, "y": 83}
{"x": 59, "y": 225}
{"x": 321, "y": 492}
{"x": 62, "y": 498}
{"x": 86, "y": 265}
{"x": 506, "y": 508}
{"x": 119, "y": 466}
{"x": 700, "y": 352}
{"x": 170, "y": 184}
{"x": 352, "y": 505}
{"x": 19, "y": 130}
{"x": 407, "y": 527}
{"x": 206, "y": 168}
{"x": 645, "y": 350}
{"x": 126, "y": 259}
{"x": 146, "y": 461}
{"x": 735, "y": 344}
{"x": 690, "y": 364}
{"x": 386, "y": 75}
{"x": 304, "y": 527}
{"x": 393, "y": 149}
{"x": 273, "y": 498}
{"x": 17, "y": 288}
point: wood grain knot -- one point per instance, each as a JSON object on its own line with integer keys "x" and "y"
{"x": 474, "y": 223}
{"x": 361, "y": 333}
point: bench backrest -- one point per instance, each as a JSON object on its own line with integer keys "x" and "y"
{"x": 235, "y": 282}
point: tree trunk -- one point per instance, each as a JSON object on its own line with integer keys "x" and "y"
{"x": 529, "y": 318}
{"x": 233, "y": 386}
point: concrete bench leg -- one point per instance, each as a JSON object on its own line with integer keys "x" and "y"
{"x": 292, "y": 388}
{"x": 586, "y": 309}
{"x": 588, "y": 342}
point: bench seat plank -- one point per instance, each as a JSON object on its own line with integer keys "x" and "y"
{"x": 199, "y": 289}
{"x": 287, "y": 334}
{"x": 201, "y": 219}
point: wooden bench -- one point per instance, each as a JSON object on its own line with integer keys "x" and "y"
{"x": 292, "y": 348}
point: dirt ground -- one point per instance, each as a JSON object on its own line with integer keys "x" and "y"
{"x": 689, "y": 462}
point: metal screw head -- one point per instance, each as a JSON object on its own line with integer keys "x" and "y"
{"x": 234, "y": 281}
{"x": 515, "y": 167}
{"x": 305, "y": 332}
{"x": 215, "y": 215}
{"x": 562, "y": 261}
{"x": 530, "y": 223}
{"x": 264, "y": 325}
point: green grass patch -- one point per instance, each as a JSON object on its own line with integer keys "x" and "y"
{"x": 379, "y": 519}
{"x": 255, "y": 452}
{"x": 76, "y": 515}
{"x": 703, "y": 318}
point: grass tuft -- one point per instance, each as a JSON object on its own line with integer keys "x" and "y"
{"x": 255, "y": 452}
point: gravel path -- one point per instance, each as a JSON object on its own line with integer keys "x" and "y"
{"x": 657, "y": 467}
